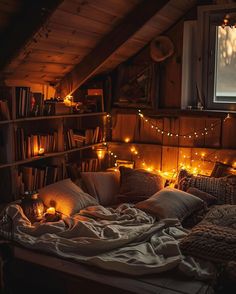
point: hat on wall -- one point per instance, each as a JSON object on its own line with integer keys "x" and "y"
{"x": 161, "y": 48}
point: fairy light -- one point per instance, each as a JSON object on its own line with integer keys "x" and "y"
{"x": 195, "y": 134}
{"x": 127, "y": 140}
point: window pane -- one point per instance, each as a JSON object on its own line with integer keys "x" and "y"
{"x": 225, "y": 67}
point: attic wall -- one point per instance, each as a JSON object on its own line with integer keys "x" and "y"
{"x": 168, "y": 153}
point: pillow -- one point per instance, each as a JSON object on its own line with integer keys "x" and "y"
{"x": 214, "y": 238}
{"x": 171, "y": 203}
{"x": 208, "y": 198}
{"x": 210, "y": 242}
{"x": 66, "y": 197}
{"x": 104, "y": 186}
{"x": 139, "y": 182}
{"x": 224, "y": 189}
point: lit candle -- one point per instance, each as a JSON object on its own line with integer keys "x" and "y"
{"x": 41, "y": 151}
{"x": 51, "y": 210}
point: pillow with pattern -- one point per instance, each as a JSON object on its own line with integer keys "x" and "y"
{"x": 224, "y": 188}
{"x": 214, "y": 238}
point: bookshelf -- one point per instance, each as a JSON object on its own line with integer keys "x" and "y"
{"x": 25, "y": 132}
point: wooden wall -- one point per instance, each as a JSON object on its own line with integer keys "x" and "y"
{"x": 155, "y": 150}
{"x": 168, "y": 153}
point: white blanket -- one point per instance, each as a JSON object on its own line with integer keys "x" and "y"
{"x": 125, "y": 239}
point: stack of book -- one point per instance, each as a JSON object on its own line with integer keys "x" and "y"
{"x": 77, "y": 138}
{"x": 93, "y": 136}
{"x": 28, "y": 103}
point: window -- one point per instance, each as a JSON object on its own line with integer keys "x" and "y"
{"x": 218, "y": 61}
{"x": 225, "y": 65}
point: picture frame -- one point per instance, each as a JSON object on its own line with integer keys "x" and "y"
{"x": 125, "y": 163}
{"x": 137, "y": 86}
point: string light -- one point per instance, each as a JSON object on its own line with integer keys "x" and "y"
{"x": 195, "y": 134}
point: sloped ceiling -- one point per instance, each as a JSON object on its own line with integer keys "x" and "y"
{"x": 75, "y": 28}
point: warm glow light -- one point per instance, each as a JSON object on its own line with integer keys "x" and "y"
{"x": 132, "y": 149}
{"x": 203, "y": 154}
{"x": 234, "y": 164}
{"x": 41, "y": 151}
{"x": 51, "y": 210}
{"x": 68, "y": 101}
{"x": 101, "y": 153}
{"x": 127, "y": 140}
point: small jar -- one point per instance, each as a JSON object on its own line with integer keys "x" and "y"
{"x": 32, "y": 206}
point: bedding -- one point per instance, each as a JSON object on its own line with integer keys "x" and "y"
{"x": 125, "y": 240}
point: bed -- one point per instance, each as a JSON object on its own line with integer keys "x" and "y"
{"x": 124, "y": 248}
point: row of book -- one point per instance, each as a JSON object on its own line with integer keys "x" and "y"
{"x": 30, "y": 178}
{"x": 77, "y": 138}
{"x": 22, "y": 102}
{"x": 85, "y": 165}
{"x": 28, "y": 146}
{"x": 89, "y": 165}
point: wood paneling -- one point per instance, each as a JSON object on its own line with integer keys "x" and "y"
{"x": 109, "y": 44}
{"x": 171, "y": 71}
{"x": 76, "y": 27}
{"x": 192, "y": 131}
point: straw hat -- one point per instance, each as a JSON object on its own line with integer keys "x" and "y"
{"x": 161, "y": 48}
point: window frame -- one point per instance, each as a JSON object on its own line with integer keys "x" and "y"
{"x": 208, "y": 18}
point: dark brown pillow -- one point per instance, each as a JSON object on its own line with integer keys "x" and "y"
{"x": 208, "y": 198}
{"x": 138, "y": 182}
{"x": 214, "y": 238}
{"x": 210, "y": 242}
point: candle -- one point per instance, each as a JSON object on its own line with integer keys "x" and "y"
{"x": 41, "y": 151}
{"x": 51, "y": 210}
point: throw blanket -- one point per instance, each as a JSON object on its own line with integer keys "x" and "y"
{"x": 124, "y": 239}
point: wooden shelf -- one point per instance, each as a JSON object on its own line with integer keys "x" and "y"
{"x": 48, "y": 155}
{"x": 120, "y": 143}
{"x": 176, "y": 112}
{"x": 34, "y": 118}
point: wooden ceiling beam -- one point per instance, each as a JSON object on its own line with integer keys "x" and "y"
{"x": 135, "y": 20}
{"x": 25, "y": 24}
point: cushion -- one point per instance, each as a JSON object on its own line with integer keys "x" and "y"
{"x": 66, "y": 197}
{"x": 224, "y": 188}
{"x": 214, "y": 238}
{"x": 139, "y": 182}
{"x": 210, "y": 242}
{"x": 104, "y": 186}
{"x": 171, "y": 203}
{"x": 208, "y": 198}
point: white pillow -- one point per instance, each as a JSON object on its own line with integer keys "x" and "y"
{"x": 66, "y": 197}
{"x": 104, "y": 186}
